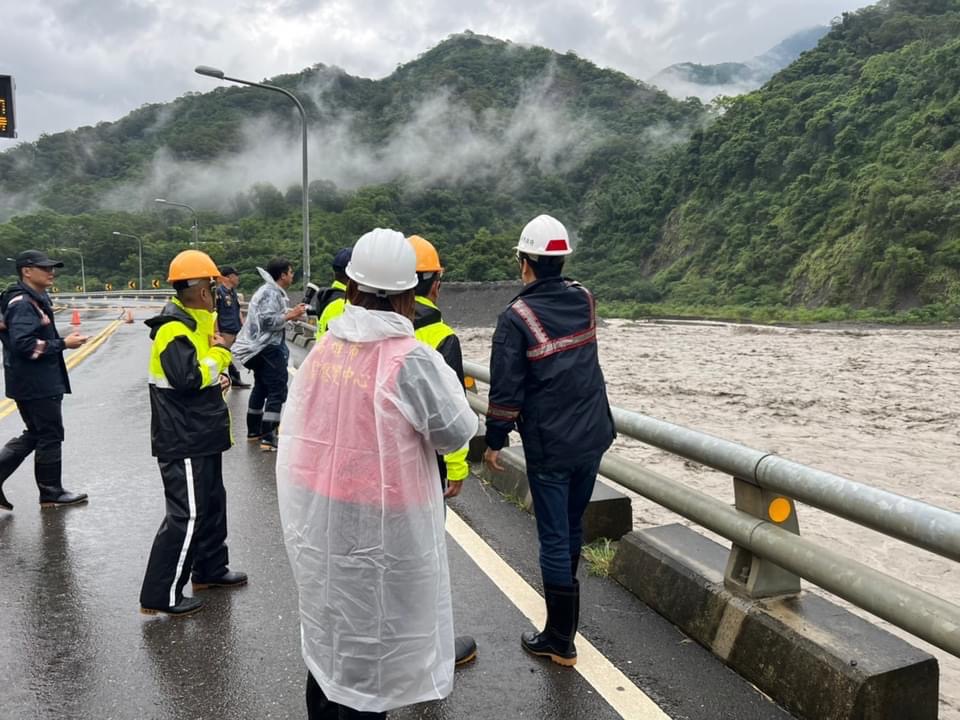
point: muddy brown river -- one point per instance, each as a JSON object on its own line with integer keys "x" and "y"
{"x": 876, "y": 405}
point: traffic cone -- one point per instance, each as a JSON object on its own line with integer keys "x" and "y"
{"x": 128, "y": 318}
{"x": 75, "y": 318}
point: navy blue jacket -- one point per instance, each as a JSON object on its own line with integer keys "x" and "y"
{"x": 228, "y": 310}
{"x": 545, "y": 376}
{"x": 33, "y": 364}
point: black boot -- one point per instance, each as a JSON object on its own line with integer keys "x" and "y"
{"x": 556, "y": 639}
{"x": 254, "y": 426}
{"x": 52, "y": 493}
{"x": 465, "y": 650}
{"x": 186, "y": 606}
{"x": 229, "y": 579}
{"x": 11, "y": 456}
{"x": 268, "y": 442}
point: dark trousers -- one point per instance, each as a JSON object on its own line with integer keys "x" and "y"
{"x": 560, "y": 498}
{"x": 319, "y": 708}
{"x": 43, "y": 434}
{"x": 269, "y": 388}
{"x": 193, "y": 534}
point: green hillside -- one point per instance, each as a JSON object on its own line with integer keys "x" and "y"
{"x": 837, "y": 184}
{"x": 601, "y": 120}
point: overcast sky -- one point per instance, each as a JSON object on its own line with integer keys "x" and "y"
{"x": 78, "y": 62}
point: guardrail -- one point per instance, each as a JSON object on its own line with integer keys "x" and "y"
{"x": 768, "y": 556}
{"x": 161, "y": 294}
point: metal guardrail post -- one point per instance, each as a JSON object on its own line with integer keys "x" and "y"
{"x": 750, "y": 574}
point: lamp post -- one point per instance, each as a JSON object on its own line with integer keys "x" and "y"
{"x": 83, "y": 272}
{"x": 140, "y": 244}
{"x": 219, "y": 75}
{"x": 196, "y": 222}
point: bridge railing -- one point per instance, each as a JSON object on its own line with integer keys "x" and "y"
{"x": 768, "y": 556}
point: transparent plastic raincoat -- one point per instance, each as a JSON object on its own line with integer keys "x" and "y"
{"x": 265, "y": 321}
{"x": 362, "y": 510}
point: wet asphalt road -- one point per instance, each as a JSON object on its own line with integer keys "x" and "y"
{"x": 73, "y": 644}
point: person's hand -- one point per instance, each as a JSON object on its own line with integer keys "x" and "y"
{"x": 492, "y": 458}
{"x": 296, "y": 312}
{"x": 453, "y": 489}
{"x": 74, "y": 340}
{"x": 217, "y": 339}
{"x": 224, "y": 382}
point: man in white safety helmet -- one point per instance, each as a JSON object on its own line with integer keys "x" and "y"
{"x": 360, "y": 496}
{"x": 546, "y": 382}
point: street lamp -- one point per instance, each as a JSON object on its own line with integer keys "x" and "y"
{"x": 219, "y": 75}
{"x": 196, "y": 222}
{"x": 140, "y": 244}
{"x": 83, "y": 272}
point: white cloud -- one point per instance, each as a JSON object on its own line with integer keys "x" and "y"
{"x": 82, "y": 61}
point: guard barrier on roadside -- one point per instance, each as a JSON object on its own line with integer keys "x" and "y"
{"x": 768, "y": 554}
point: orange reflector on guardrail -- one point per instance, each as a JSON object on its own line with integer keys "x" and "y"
{"x": 779, "y": 509}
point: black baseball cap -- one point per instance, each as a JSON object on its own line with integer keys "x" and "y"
{"x": 228, "y": 270}
{"x": 342, "y": 258}
{"x": 35, "y": 258}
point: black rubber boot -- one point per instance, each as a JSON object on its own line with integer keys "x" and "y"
{"x": 229, "y": 579}
{"x": 556, "y": 639}
{"x": 268, "y": 443}
{"x": 465, "y": 650}
{"x": 11, "y": 456}
{"x": 254, "y": 425}
{"x": 52, "y": 492}
{"x": 186, "y": 606}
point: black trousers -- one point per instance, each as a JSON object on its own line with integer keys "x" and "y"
{"x": 269, "y": 388}
{"x": 320, "y": 708}
{"x": 193, "y": 534}
{"x": 43, "y": 434}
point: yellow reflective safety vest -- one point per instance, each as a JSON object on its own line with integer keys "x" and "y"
{"x": 188, "y": 415}
{"x": 429, "y": 328}
{"x": 334, "y": 308}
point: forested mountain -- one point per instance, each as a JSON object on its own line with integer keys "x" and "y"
{"x": 836, "y": 185}
{"x": 462, "y": 145}
{"x": 733, "y": 78}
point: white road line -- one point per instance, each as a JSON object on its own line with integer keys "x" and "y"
{"x": 612, "y": 685}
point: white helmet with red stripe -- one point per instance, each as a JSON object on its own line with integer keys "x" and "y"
{"x": 544, "y": 236}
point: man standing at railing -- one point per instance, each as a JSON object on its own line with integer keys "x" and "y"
{"x": 261, "y": 347}
{"x": 545, "y": 380}
{"x": 229, "y": 320}
{"x": 331, "y": 302}
{"x": 430, "y": 329}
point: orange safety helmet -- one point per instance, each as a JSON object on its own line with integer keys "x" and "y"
{"x": 192, "y": 265}
{"x": 428, "y": 259}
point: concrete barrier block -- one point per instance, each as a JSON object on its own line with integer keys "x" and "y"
{"x": 608, "y": 515}
{"x": 810, "y": 655}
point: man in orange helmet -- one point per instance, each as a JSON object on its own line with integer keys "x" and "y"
{"x": 430, "y": 329}
{"x": 189, "y": 430}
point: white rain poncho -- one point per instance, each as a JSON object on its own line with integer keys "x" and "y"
{"x": 265, "y": 323}
{"x": 362, "y": 510}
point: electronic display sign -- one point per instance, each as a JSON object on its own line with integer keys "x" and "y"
{"x": 8, "y": 125}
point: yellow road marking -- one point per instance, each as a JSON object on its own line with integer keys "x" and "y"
{"x": 73, "y": 359}
{"x": 612, "y": 685}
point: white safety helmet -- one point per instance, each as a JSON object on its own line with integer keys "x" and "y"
{"x": 383, "y": 263}
{"x": 544, "y": 236}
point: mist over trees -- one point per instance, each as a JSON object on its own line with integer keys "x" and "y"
{"x": 835, "y": 186}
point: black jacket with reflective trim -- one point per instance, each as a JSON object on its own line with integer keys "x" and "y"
{"x": 33, "y": 364}
{"x": 188, "y": 416}
{"x": 545, "y": 376}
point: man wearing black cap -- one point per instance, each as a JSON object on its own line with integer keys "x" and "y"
{"x": 36, "y": 377}
{"x": 330, "y": 303}
{"x": 228, "y": 315}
